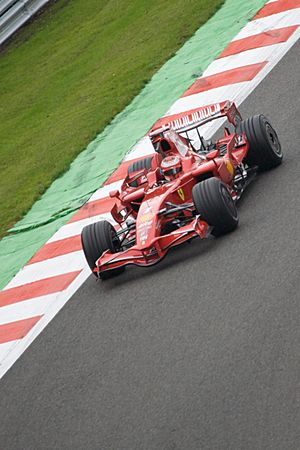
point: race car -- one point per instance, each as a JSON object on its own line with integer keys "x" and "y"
{"x": 187, "y": 188}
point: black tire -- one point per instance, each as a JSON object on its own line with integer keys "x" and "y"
{"x": 137, "y": 166}
{"x": 265, "y": 148}
{"x": 214, "y": 203}
{"x": 96, "y": 239}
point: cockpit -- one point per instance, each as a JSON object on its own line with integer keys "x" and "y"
{"x": 169, "y": 142}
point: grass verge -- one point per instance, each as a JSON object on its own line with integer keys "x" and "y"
{"x": 66, "y": 75}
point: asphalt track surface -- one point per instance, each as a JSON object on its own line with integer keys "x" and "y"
{"x": 199, "y": 352}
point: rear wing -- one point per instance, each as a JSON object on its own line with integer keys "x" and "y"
{"x": 194, "y": 118}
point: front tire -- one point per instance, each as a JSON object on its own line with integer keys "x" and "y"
{"x": 96, "y": 238}
{"x": 213, "y": 202}
{"x": 265, "y": 148}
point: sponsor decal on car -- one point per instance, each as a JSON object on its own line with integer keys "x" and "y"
{"x": 146, "y": 218}
{"x": 230, "y": 167}
{"x": 180, "y": 192}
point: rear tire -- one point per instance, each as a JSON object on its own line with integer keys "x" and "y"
{"x": 215, "y": 205}
{"x": 96, "y": 238}
{"x": 265, "y": 148}
{"x": 138, "y": 166}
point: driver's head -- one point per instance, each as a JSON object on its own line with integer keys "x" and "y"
{"x": 171, "y": 167}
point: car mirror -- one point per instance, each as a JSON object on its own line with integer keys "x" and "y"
{"x": 114, "y": 193}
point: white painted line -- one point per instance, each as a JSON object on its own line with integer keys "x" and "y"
{"x": 277, "y": 56}
{"x": 280, "y": 20}
{"x": 5, "y": 351}
{"x": 248, "y": 57}
{"x": 105, "y": 190}
{"x": 75, "y": 228}
{"x": 71, "y": 262}
{"x": 205, "y": 98}
{"x": 241, "y": 94}
{"x": 26, "y": 309}
{"x": 18, "y": 347}
{"x": 234, "y": 92}
{"x": 143, "y": 148}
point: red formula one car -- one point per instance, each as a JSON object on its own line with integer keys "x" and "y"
{"x": 187, "y": 189}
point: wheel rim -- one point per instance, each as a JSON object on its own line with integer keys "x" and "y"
{"x": 273, "y": 139}
{"x": 228, "y": 201}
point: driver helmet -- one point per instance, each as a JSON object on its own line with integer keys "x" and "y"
{"x": 171, "y": 167}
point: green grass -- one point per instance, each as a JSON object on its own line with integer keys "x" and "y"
{"x": 67, "y": 74}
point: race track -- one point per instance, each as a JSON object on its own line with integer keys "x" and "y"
{"x": 198, "y": 352}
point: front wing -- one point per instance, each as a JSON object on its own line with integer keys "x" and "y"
{"x": 152, "y": 254}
